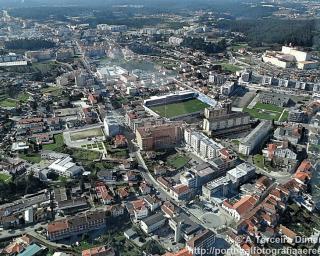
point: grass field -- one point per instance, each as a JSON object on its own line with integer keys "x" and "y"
{"x": 180, "y": 108}
{"x": 85, "y": 155}
{"x": 52, "y": 90}
{"x": 267, "y": 112}
{"x": 258, "y": 160}
{"x": 8, "y": 103}
{"x": 32, "y": 158}
{"x": 284, "y": 116}
{"x": 238, "y": 46}
{"x": 229, "y": 67}
{"x": 57, "y": 145}
{"x": 11, "y": 103}
{"x": 177, "y": 161}
{"x": 4, "y": 178}
{"x": 81, "y": 135}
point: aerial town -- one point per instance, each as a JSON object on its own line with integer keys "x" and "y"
{"x": 159, "y": 127}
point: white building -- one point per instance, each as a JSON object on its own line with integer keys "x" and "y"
{"x": 12, "y": 60}
{"x": 152, "y": 223}
{"x": 290, "y": 57}
{"x": 111, "y": 73}
{"x": 175, "y": 40}
{"x": 19, "y": 146}
{"x": 111, "y": 126}
{"x": 254, "y": 138}
{"x": 227, "y": 88}
{"x": 241, "y": 173}
{"x": 201, "y": 145}
{"x": 28, "y": 215}
{"x": 66, "y": 167}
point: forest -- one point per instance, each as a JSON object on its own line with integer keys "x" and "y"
{"x": 202, "y": 45}
{"x": 29, "y": 44}
{"x": 275, "y": 31}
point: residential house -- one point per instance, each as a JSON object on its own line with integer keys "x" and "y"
{"x": 263, "y": 183}
{"x": 165, "y": 182}
{"x": 180, "y": 192}
{"x": 293, "y": 134}
{"x": 140, "y": 209}
{"x": 153, "y": 202}
{"x": 115, "y": 210}
{"x": 103, "y": 194}
{"x": 241, "y": 207}
{"x": 99, "y": 251}
{"x": 169, "y": 209}
{"x": 120, "y": 141}
{"x": 144, "y": 188}
{"x": 288, "y": 234}
{"x": 123, "y": 192}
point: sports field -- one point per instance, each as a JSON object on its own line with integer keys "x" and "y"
{"x": 267, "y": 112}
{"x": 180, "y": 108}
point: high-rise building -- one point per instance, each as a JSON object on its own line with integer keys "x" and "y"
{"x": 159, "y": 137}
{"x": 254, "y": 138}
{"x": 111, "y": 126}
{"x": 220, "y": 121}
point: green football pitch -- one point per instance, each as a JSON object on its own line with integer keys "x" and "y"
{"x": 180, "y": 108}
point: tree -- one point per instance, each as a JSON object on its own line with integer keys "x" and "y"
{"x": 152, "y": 247}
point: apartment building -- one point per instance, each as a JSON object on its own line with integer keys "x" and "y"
{"x": 222, "y": 120}
{"x": 159, "y": 137}
{"x": 255, "y": 138}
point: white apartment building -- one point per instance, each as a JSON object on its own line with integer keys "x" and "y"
{"x": 252, "y": 140}
{"x": 201, "y": 144}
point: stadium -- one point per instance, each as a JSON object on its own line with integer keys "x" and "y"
{"x": 178, "y": 105}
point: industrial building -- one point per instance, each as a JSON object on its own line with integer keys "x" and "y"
{"x": 152, "y": 223}
{"x": 66, "y": 167}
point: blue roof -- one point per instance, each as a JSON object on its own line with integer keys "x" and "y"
{"x": 31, "y": 250}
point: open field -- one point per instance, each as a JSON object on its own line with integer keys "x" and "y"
{"x": 267, "y": 112}
{"x": 180, "y": 108}
{"x": 90, "y": 133}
